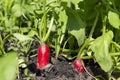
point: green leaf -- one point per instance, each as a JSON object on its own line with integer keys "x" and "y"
{"x": 50, "y": 1}
{"x": 32, "y": 33}
{"x": 16, "y": 10}
{"x": 21, "y": 37}
{"x": 63, "y": 20}
{"x": 61, "y": 30}
{"x": 114, "y": 19}
{"x": 100, "y": 47}
{"x": 75, "y": 2}
{"x": 8, "y": 66}
{"x": 7, "y": 4}
{"x": 118, "y": 78}
{"x": 76, "y": 26}
{"x": 90, "y": 6}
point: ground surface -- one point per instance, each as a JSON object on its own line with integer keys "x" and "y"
{"x": 60, "y": 69}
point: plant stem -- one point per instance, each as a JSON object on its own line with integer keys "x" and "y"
{"x": 82, "y": 48}
{"x": 2, "y": 51}
{"x": 64, "y": 50}
{"x": 44, "y": 21}
{"x": 49, "y": 30}
{"x": 87, "y": 57}
{"x": 66, "y": 42}
{"x": 57, "y": 49}
{"x": 94, "y": 25}
{"x": 40, "y": 28}
{"x": 1, "y": 46}
{"x": 115, "y": 54}
{"x": 117, "y": 45}
{"x": 104, "y": 24}
{"x": 80, "y": 53}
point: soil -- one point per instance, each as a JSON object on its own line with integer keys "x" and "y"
{"x": 60, "y": 69}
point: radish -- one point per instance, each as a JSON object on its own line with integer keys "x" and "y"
{"x": 43, "y": 56}
{"x": 79, "y": 65}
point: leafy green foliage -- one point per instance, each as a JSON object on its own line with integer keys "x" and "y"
{"x": 8, "y": 66}
{"x": 21, "y": 37}
{"x": 100, "y": 47}
{"x": 114, "y": 19}
{"x": 16, "y": 10}
{"x": 66, "y": 25}
{"x": 61, "y": 30}
{"x": 90, "y": 7}
{"x": 76, "y": 26}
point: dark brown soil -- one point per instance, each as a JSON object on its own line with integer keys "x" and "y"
{"x": 60, "y": 69}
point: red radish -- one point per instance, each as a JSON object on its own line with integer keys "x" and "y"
{"x": 79, "y": 65}
{"x": 43, "y": 56}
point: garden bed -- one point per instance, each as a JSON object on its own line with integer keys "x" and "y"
{"x": 79, "y": 39}
{"x": 61, "y": 69}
